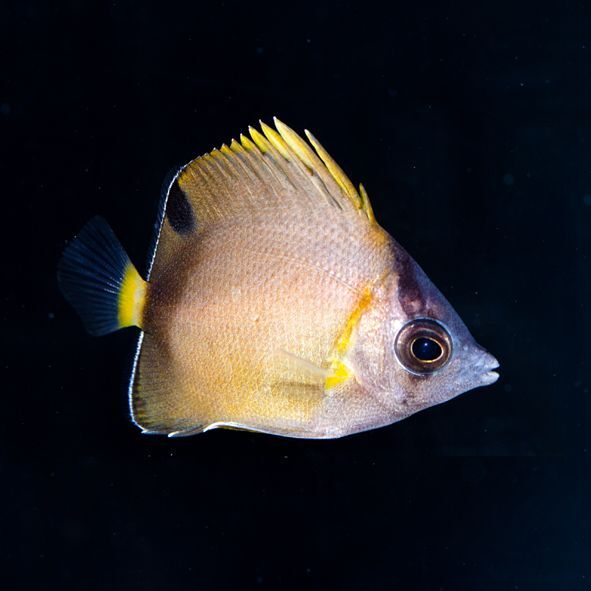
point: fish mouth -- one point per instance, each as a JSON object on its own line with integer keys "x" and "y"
{"x": 489, "y": 376}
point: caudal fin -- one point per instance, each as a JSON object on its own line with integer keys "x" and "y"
{"x": 98, "y": 279}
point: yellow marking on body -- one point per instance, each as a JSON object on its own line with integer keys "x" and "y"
{"x": 132, "y": 298}
{"x": 339, "y": 371}
{"x": 344, "y": 339}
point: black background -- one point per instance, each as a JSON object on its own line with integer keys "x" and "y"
{"x": 470, "y": 125}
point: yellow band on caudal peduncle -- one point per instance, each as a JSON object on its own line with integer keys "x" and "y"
{"x": 132, "y": 298}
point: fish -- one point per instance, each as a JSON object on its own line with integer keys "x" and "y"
{"x": 273, "y": 302}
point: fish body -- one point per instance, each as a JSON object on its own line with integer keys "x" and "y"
{"x": 275, "y": 302}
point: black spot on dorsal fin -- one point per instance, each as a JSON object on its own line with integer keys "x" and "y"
{"x": 178, "y": 210}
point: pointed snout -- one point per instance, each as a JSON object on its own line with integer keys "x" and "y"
{"x": 486, "y": 364}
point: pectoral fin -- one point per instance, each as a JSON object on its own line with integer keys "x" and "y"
{"x": 313, "y": 375}
{"x": 310, "y": 371}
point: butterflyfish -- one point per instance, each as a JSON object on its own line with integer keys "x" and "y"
{"x": 273, "y": 302}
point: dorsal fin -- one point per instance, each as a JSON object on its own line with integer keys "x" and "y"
{"x": 279, "y": 165}
{"x": 272, "y": 168}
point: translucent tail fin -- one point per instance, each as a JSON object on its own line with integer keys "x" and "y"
{"x": 98, "y": 279}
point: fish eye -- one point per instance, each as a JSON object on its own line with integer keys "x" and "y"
{"x": 423, "y": 346}
{"x": 426, "y": 349}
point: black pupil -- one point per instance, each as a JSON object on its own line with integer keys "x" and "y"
{"x": 426, "y": 349}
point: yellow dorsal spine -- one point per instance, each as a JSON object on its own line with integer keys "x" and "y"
{"x": 260, "y": 140}
{"x": 298, "y": 145}
{"x": 366, "y": 204}
{"x": 337, "y": 172}
{"x": 246, "y": 143}
{"x": 275, "y": 140}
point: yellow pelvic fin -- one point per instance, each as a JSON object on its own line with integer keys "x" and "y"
{"x": 339, "y": 370}
{"x": 132, "y": 298}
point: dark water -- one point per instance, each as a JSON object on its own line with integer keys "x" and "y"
{"x": 470, "y": 126}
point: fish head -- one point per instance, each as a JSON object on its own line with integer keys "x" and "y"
{"x": 428, "y": 354}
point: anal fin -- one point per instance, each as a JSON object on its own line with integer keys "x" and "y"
{"x": 158, "y": 402}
